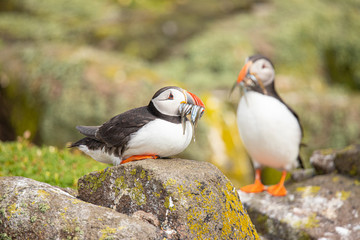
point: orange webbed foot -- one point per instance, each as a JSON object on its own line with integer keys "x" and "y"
{"x": 253, "y": 188}
{"x": 257, "y": 186}
{"x": 279, "y": 189}
{"x": 139, "y": 157}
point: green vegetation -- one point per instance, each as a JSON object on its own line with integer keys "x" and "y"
{"x": 59, "y": 167}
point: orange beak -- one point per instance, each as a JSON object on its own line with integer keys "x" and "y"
{"x": 243, "y": 72}
{"x": 196, "y": 99}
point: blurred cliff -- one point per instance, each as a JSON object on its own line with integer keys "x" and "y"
{"x": 65, "y": 63}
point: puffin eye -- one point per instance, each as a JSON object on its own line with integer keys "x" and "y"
{"x": 263, "y": 66}
{"x": 171, "y": 96}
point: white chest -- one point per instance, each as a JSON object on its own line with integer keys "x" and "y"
{"x": 161, "y": 138}
{"x": 269, "y": 131}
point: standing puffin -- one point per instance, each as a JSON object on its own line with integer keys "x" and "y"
{"x": 160, "y": 129}
{"x": 269, "y": 129}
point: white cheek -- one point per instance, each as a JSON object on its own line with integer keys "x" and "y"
{"x": 167, "y": 107}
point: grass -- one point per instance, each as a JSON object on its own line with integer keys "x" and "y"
{"x": 60, "y": 167}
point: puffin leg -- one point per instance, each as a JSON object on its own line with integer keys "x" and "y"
{"x": 278, "y": 189}
{"x": 139, "y": 157}
{"x": 257, "y": 186}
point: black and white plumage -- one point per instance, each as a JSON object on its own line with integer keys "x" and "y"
{"x": 270, "y": 129}
{"x": 159, "y": 129}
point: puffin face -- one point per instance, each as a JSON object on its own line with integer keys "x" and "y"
{"x": 177, "y": 102}
{"x": 258, "y": 70}
{"x": 168, "y": 100}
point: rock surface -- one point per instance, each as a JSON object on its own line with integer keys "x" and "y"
{"x": 322, "y": 207}
{"x": 188, "y": 199}
{"x": 345, "y": 161}
{"x": 34, "y": 210}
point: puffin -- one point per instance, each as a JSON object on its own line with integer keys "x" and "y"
{"x": 270, "y": 130}
{"x": 163, "y": 128}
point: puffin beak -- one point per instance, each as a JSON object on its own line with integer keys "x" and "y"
{"x": 192, "y": 106}
{"x": 193, "y": 99}
{"x": 244, "y": 71}
{"x": 242, "y": 75}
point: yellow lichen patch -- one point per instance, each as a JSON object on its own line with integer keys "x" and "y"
{"x": 312, "y": 221}
{"x": 335, "y": 179}
{"x": 94, "y": 181}
{"x": 133, "y": 172}
{"x": 142, "y": 174}
{"x": 108, "y": 232}
{"x": 12, "y": 209}
{"x": 43, "y": 193}
{"x": 343, "y": 195}
{"x": 170, "y": 182}
{"x": 76, "y": 201}
{"x": 235, "y": 222}
{"x": 357, "y": 182}
{"x": 308, "y": 190}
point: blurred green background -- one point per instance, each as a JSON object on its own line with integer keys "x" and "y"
{"x": 70, "y": 62}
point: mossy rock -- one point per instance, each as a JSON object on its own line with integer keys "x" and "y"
{"x": 34, "y": 210}
{"x": 191, "y": 199}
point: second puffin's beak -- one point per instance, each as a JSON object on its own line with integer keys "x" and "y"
{"x": 242, "y": 75}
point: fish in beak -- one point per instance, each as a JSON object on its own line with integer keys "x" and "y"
{"x": 194, "y": 108}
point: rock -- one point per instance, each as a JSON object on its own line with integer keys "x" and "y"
{"x": 190, "y": 199}
{"x": 35, "y": 210}
{"x": 322, "y": 207}
{"x": 345, "y": 161}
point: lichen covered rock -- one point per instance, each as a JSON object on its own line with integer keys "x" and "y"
{"x": 33, "y": 210}
{"x": 322, "y": 207}
{"x": 190, "y": 199}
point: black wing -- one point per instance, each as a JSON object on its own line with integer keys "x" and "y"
{"x": 116, "y": 132}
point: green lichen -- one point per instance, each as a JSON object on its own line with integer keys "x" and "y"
{"x": 33, "y": 219}
{"x": 43, "y": 207}
{"x": 95, "y": 180}
{"x": 4, "y": 236}
{"x": 137, "y": 193}
{"x": 142, "y": 174}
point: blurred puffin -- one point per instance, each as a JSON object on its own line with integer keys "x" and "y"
{"x": 160, "y": 129}
{"x": 269, "y": 129}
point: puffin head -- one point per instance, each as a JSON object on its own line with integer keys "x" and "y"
{"x": 258, "y": 71}
{"x": 168, "y": 100}
{"x": 175, "y": 102}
